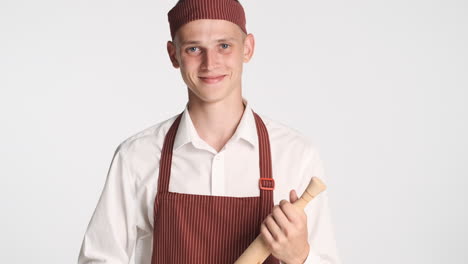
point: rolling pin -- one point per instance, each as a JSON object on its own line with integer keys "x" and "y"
{"x": 258, "y": 251}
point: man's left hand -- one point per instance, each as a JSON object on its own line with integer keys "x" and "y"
{"x": 285, "y": 232}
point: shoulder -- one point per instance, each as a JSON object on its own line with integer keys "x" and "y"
{"x": 288, "y": 138}
{"x": 147, "y": 142}
{"x": 295, "y": 156}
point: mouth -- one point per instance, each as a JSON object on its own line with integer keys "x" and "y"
{"x": 212, "y": 79}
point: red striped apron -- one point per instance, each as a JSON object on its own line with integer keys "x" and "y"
{"x": 207, "y": 229}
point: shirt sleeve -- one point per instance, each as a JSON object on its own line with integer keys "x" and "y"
{"x": 111, "y": 233}
{"x": 323, "y": 249}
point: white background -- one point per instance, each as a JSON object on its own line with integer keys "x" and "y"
{"x": 379, "y": 86}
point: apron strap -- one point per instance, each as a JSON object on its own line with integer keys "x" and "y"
{"x": 266, "y": 181}
{"x": 166, "y": 157}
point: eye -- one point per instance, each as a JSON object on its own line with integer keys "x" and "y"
{"x": 192, "y": 49}
{"x": 225, "y": 45}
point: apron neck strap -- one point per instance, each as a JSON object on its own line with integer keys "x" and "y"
{"x": 266, "y": 182}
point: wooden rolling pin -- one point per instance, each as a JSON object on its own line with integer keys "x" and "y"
{"x": 258, "y": 251}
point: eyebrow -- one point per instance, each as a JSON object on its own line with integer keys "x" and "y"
{"x": 186, "y": 42}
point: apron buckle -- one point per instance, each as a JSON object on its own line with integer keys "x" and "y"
{"x": 267, "y": 186}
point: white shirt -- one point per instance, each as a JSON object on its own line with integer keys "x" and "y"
{"x": 123, "y": 218}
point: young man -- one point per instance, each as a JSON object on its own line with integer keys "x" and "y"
{"x": 200, "y": 186}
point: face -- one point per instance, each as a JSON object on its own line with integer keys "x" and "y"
{"x": 210, "y": 54}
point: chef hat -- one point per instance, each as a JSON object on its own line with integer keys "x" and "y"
{"x": 187, "y": 10}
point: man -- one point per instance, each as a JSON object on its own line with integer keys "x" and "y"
{"x": 201, "y": 185}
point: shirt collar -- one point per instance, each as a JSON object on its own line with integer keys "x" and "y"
{"x": 246, "y": 130}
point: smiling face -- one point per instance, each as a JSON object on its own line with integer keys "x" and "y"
{"x": 210, "y": 54}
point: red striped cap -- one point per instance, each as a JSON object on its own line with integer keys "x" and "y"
{"x": 188, "y": 10}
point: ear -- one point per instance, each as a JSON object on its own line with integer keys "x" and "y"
{"x": 249, "y": 46}
{"x": 172, "y": 52}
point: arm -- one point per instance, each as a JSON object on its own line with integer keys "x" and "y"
{"x": 111, "y": 233}
{"x": 321, "y": 236}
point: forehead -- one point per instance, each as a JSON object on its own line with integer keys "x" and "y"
{"x": 206, "y": 30}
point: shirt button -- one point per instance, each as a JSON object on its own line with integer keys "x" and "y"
{"x": 217, "y": 158}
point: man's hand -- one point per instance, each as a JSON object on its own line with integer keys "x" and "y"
{"x": 285, "y": 232}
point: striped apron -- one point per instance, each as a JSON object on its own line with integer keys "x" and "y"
{"x": 209, "y": 229}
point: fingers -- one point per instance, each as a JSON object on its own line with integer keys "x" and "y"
{"x": 266, "y": 234}
{"x": 273, "y": 228}
{"x": 293, "y": 214}
{"x": 280, "y": 219}
{"x": 293, "y": 196}
{"x": 270, "y": 240}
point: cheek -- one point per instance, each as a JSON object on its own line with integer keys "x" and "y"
{"x": 189, "y": 62}
{"x": 233, "y": 62}
{"x": 236, "y": 66}
{"x": 189, "y": 67}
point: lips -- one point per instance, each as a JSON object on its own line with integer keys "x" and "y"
{"x": 212, "y": 79}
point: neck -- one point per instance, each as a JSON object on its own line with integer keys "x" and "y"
{"x": 216, "y": 122}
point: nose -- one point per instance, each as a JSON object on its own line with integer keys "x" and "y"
{"x": 210, "y": 60}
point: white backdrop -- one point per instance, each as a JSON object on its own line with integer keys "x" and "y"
{"x": 379, "y": 86}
